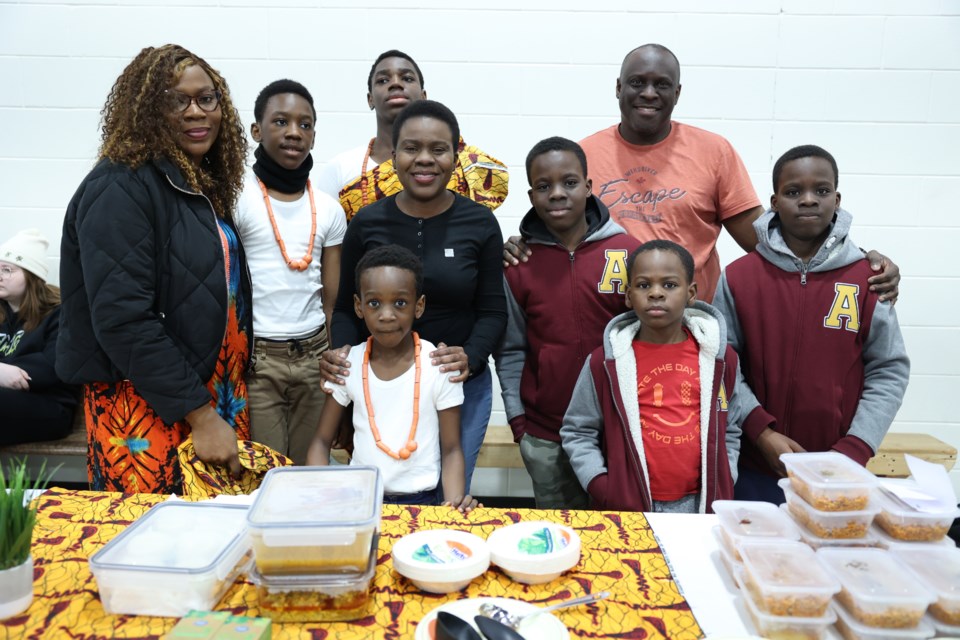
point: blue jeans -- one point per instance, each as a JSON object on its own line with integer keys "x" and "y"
{"x": 474, "y": 418}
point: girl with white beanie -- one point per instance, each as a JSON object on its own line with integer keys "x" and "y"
{"x": 34, "y": 404}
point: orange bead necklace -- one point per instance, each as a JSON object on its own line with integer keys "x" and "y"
{"x": 411, "y": 444}
{"x": 304, "y": 262}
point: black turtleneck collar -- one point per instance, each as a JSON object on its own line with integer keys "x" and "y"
{"x": 279, "y": 178}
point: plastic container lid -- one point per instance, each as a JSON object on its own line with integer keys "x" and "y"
{"x": 743, "y": 520}
{"x": 316, "y": 506}
{"x": 829, "y": 477}
{"x": 535, "y": 548}
{"x": 178, "y": 538}
{"x": 846, "y": 621}
{"x": 875, "y": 579}
{"x": 787, "y": 573}
{"x": 938, "y": 568}
{"x": 441, "y": 560}
{"x": 814, "y": 541}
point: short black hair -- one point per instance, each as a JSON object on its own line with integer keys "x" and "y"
{"x": 663, "y": 245}
{"x": 556, "y": 143}
{"x": 804, "y": 151}
{"x": 427, "y": 109}
{"x": 393, "y": 53}
{"x": 390, "y": 255}
{"x": 276, "y": 88}
{"x": 657, "y": 47}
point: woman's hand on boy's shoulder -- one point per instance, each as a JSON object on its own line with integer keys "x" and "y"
{"x": 333, "y": 365}
{"x": 451, "y": 359}
{"x": 463, "y": 504}
{"x": 515, "y": 251}
{"x": 887, "y": 281}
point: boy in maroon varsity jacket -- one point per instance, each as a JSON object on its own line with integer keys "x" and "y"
{"x": 558, "y": 304}
{"x": 653, "y": 424}
{"x": 824, "y": 358}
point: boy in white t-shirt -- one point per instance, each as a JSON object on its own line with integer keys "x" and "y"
{"x": 407, "y": 416}
{"x": 291, "y": 235}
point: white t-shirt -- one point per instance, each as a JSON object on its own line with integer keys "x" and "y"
{"x": 393, "y": 407}
{"x": 341, "y": 169}
{"x": 286, "y": 303}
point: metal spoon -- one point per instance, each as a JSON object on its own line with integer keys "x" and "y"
{"x": 500, "y": 614}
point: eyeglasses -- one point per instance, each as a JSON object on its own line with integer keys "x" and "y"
{"x": 7, "y": 272}
{"x": 207, "y": 101}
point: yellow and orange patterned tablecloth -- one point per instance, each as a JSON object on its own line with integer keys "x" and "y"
{"x": 619, "y": 554}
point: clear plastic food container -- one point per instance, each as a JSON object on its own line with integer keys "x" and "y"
{"x": 877, "y": 589}
{"x": 784, "y": 578}
{"x": 315, "y": 520}
{"x": 534, "y": 552}
{"x": 814, "y": 541}
{"x": 774, "y": 627}
{"x": 747, "y": 520}
{"x": 178, "y": 556}
{"x": 316, "y": 598}
{"x": 836, "y": 525}
{"x": 886, "y": 541}
{"x": 829, "y": 481}
{"x": 903, "y": 522}
{"x": 440, "y": 560}
{"x": 938, "y": 568}
{"x": 852, "y": 629}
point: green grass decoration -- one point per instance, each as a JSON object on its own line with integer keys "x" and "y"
{"x": 16, "y": 518}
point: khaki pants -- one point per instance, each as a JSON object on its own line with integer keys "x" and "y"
{"x": 555, "y": 485}
{"x": 283, "y": 390}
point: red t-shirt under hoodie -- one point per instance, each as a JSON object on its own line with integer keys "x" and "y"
{"x": 668, "y": 390}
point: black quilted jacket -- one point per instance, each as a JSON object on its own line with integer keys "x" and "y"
{"x": 143, "y": 288}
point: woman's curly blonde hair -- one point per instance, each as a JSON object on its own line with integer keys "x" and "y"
{"x": 135, "y": 129}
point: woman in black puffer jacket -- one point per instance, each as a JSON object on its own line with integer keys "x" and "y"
{"x": 155, "y": 318}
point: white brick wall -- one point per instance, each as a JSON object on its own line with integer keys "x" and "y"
{"x": 876, "y": 82}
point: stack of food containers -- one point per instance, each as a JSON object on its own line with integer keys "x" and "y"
{"x": 879, "y": 596}
{"x": 741, "y": 521}
{"x": 314, "y": 532}
{"x": 828, "y": 495}
{"x": 786, "y": 591}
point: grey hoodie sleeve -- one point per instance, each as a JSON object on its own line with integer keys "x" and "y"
{"x": 511, "y": 355}
{"x": 582, "y": 426}
{"x": 727, "y": 306}
{"x": 740, "y": 403}
{"x": 886, "y": 373}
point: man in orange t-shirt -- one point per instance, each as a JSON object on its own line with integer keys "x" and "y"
{"x": 667, "y": 180}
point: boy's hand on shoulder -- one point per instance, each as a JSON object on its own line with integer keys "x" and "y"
{"x": 887, "y": 281}
{"x": 772, "y": 444}
{"x": 451, "y": 359}
{"x": 333, "y": 365}
{"x": 515, "y": 251}
{"x": 463, "y": 504}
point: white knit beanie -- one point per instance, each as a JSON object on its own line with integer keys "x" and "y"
{"x": 27, "y": 250}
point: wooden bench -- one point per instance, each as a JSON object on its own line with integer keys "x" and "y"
{"x": 500, "y": 451}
